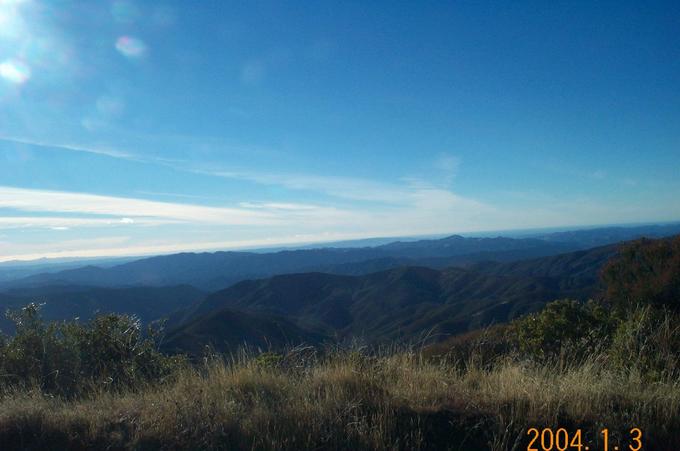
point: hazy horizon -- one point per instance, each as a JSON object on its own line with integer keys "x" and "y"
{"x": 59, "y": 257}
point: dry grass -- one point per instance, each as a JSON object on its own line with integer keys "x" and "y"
{"x": 348, "y": 401}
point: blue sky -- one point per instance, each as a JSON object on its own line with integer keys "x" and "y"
{"x": 134, "y": 127}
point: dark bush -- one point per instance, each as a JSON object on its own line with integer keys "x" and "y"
{"x": 69, "y": 358}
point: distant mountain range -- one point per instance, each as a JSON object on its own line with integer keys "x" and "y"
{"x": 395, "y": 291}
{"x": 13, "y": 270}
{"x": 213, "y": 271}
{"x": 600, "y": 236}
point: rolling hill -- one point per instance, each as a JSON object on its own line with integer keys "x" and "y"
{"x": 407, "y": 302}
{"x": 226, "y": 330}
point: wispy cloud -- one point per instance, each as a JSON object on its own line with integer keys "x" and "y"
{"x": 30, "y": 200}
{"x": 167, "y": 194}
{"x": 341, "y": 187}
{"x": 64, "y": 223}
{"x": 357, "y": 207}
{"x": 423, "y": 209}
{"x": 71, "y": 147}
{"x": 205, "y": 146}
{"x": 67, "y": 209}
{"x": 337, "y": 186}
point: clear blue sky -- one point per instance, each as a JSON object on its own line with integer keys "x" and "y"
{"x": 131, "y": 127}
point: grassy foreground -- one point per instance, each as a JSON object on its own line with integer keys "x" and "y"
{"x": 348, "y": 400}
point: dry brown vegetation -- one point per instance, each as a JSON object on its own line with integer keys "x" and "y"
{"x": 348, "y": 400}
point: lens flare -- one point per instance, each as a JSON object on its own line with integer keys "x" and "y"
{"x": 15, "y": 71}
{"x": 131, "y": 47}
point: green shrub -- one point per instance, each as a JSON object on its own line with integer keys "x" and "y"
{"x": 564, "y": 328}
{"x": 70, "y": 358}
{"x": 268, "y": 360}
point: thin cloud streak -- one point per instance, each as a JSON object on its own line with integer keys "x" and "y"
{"x": 71, "y": 148}
{"x": 30, "y": 200}
{"x": 437, "y": 212}
{"x": 124, "y": 210}
{"x": 350, "y": 188}
{"x": 59, "y": 223}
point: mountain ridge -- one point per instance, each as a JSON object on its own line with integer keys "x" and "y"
{"x": 406, "y": 302}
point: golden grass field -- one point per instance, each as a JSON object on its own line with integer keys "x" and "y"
{"x": 349, "y": 400}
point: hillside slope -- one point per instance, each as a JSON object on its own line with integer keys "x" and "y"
{"x": 410, "y": 302}
{"x": 226, "y": 330}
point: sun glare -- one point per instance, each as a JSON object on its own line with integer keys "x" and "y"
{"x": 15, "y": 71}
{"x": 10, "y": 18}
